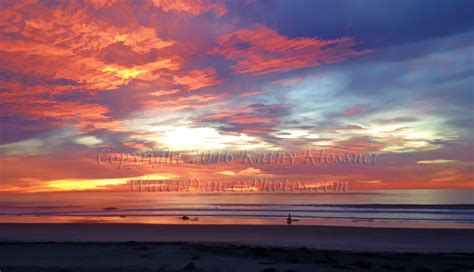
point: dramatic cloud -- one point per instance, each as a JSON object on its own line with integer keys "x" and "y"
{"x": 77, "y": 77}
{"x": 68, "y": 44}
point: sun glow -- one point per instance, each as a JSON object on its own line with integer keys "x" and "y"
{"x": 98, "y": 184}
{"x": 189, "y": 139}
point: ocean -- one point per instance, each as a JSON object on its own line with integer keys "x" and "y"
{"x": 376, "y": 208}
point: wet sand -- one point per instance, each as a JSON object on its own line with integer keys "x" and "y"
{"x": 317, "y": 237}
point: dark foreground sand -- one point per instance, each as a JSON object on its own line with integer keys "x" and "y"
{"x": 117, "y": 247}
{"x": 142, "y": 256}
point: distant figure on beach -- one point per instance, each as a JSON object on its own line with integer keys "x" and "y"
{"x": 187, "y": 218}
{"x": 289, "y": 220}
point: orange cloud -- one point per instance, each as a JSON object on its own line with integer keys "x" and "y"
{"x": 194, "y": 7}
{"x": 198, "y": 79}
{"x": 252, "y": 93}
{"x": 263, "y": 50}
{"x": 39, "y": 108}
{"x": 164, "y": 92}
{"x": 182, "y": 102}
{"x": 102, "y": 3}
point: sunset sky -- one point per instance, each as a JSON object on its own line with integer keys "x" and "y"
{"x": 391, "y": 78}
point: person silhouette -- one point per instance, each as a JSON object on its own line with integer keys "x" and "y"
{"x": 289, "y": 220}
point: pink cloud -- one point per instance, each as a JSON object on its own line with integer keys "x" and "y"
{"x": 262, "y": 50}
